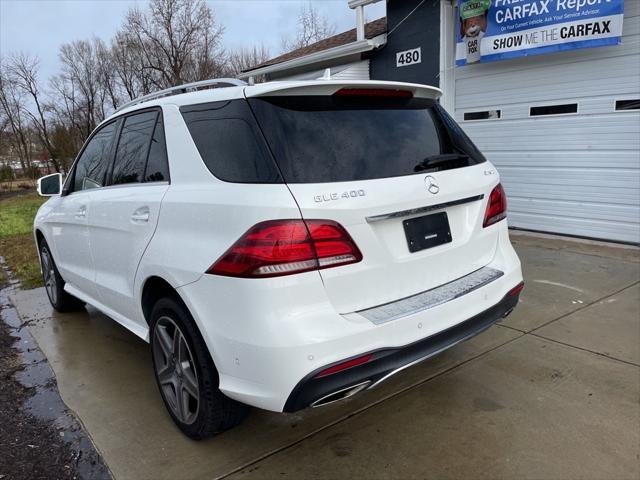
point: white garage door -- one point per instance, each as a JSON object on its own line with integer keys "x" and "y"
{"x": 567, "y": 140}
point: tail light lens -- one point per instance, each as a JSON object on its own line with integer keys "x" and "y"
{"x": 497, "y": 206}
{"x": 285, "y": 247}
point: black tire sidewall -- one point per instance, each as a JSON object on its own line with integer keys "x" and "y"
{"x": 212, "y": 403}
{"x": 60, "y": 293}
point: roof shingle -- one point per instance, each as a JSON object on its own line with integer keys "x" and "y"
{"x": 371, "y": 29}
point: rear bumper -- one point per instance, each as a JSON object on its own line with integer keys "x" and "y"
{"x": 268, "y": 338}
{"x": 386, "y": 362}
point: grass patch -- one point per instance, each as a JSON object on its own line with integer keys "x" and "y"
{"x": 17, "y": 245}
{"x": 16, "y": 214}
{"x": 20, "y": 253}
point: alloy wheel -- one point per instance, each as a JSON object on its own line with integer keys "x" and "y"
{"x": 49, "y": 275}
{"x": 175, "y": 370}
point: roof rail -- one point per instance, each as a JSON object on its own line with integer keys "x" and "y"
{"x": 187, "y": 87}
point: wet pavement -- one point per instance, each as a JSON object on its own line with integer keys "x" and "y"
{"x": 552, "y": 391}
{"x": 41, "y": 437}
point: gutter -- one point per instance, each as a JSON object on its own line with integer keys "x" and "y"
{"x": 360, "y": 46}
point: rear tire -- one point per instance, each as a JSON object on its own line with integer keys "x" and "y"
{"x": 186, "y": 376}
{"x": 60, "y": 300}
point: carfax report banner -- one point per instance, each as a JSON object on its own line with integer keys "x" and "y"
{"x": 490, "y": 30}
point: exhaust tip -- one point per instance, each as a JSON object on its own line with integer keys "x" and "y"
{"x": 341, "y": 394}
{"x": 507, "y": 313}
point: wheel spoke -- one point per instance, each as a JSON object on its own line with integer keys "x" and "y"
{"x": 164, "y": 341}
{"x": 190, "y": 383}
{"x": 166, "y": 375}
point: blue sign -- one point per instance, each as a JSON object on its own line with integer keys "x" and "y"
{"x": 490, "y": 30}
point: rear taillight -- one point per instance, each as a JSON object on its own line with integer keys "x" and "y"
{"x": 283, "y": 247}
{"x": 497, "y": 206}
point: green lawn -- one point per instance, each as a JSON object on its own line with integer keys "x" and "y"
{"x": 16, "y": 240}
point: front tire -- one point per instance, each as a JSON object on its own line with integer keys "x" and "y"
{"x": 60, "y": 300}
{"x": 186, "y": 376}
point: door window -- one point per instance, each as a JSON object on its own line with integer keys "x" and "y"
{"x": 92, "y": 165}
{"x": 133, "y": 148}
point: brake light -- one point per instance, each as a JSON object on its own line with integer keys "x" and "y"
{"x": 497, "y": 206}
{"x": 284, "y": 247}
{"x": 373, "y": 92}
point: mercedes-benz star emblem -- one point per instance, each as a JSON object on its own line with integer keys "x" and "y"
{"x": 431, "y": 184}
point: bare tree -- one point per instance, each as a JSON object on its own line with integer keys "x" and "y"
{"x": 246, "y": 58}
{"x": 312, "y": 27}
{"x": 177, "y": 40}
{"x": 12, "y": 102}
{"x": 23, "y": 71}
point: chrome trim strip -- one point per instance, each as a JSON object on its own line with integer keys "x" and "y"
{"x": 421, "y": 359}
{"x": 351, "y": 391}
{"x": 429, "y": 208}
{"x": 430, "y": 298}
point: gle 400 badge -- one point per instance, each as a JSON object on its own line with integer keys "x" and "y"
{"x": 490, "y": 30}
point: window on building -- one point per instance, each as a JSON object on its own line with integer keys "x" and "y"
{"x": 562, "y": 109}
{"x": 483, "y": 115}
{"x": 633, "y": 104}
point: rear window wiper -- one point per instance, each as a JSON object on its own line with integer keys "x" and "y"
{"x": 435, "y": 160}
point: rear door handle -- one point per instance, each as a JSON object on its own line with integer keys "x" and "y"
{"x": 141, "y": 215}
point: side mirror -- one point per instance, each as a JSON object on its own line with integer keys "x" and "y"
{"x": 50, "y": 185}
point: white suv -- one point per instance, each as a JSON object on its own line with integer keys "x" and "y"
{"x": 282, "y": 245}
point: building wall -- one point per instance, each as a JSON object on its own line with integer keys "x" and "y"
{"x": 420, "y": 29}
{"x": 576, "y": 174}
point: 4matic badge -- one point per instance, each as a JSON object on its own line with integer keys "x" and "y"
{"x": 328, "y": 197}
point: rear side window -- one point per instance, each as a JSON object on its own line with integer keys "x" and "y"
{"x": 229, "y": 142}
{"x": 133, "y": 148}
{"x": 95, "y": 159}
{"x": 318, "y": 139}
{"x": 157, "y": 169}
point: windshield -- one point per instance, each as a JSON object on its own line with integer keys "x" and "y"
{"x": 318, "y": 139}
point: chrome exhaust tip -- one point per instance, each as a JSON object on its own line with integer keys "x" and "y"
{"x": 341, "y": 394}
{"x": 507, "y": 313}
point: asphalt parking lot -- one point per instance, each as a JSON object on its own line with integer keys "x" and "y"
{"x": 553, "y": 391}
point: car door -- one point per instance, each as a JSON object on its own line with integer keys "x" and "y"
{"x": 124, "y": 215}
{"x": 68, "y": 223}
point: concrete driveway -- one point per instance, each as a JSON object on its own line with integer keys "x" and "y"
{"x": 551, "y": 392}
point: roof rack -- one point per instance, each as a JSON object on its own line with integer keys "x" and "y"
{"x": 187, "y": 87}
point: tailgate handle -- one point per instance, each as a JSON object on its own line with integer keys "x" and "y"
{"x": 429, "y": 208}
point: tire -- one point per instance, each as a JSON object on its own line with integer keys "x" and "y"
{"x": 60, "y": 300}
{"x": 182, "y": 363}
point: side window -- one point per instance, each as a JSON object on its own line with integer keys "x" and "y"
{"x": 157, "y": 166}
{"x": 229, "y": 142}
{"x": 133, "y": 148}
{"x": 95, "y": 159}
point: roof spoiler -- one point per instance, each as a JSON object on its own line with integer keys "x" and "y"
{"x": 329, "y": 87}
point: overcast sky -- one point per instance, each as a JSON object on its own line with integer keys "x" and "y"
{"x": 40, "y": 26}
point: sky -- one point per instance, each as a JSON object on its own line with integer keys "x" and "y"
{"x": 39, "y": 27}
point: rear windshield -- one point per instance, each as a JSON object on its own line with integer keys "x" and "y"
{"x": 318, "y": 139}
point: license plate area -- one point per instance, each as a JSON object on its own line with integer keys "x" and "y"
{"x": 427, "y": 232}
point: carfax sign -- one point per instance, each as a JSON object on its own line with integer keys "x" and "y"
{"x": 490, "y": 30}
